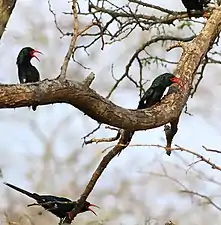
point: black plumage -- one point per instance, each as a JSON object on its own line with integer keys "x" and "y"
{"x": 151, "y": 97}
{"x": 155, "y": 92}
{"x": 195, "y": 5}
{"x": 27, "y": 73}
{"x": 59, "y": 206}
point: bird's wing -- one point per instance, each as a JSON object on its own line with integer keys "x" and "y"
{"x": 56, "y": 199}
{"x": 147, "y": 95}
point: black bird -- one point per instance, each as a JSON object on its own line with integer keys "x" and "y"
{"x": 59, "y": 206}
{"x": 27, "y": 73}
{"x": 152, "y": 96}
{"x": 156, "y": 90}
{"x": 195, "y": 5}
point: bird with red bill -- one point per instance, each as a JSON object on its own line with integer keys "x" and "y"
{"x": 176, "y": 80}
{"x": 152, "y": 96}
{"x": 27, "y": 73}
{"x": 32, "y": 54}
{"x": 198, "y": 5}
{"x": 59, "y": 206}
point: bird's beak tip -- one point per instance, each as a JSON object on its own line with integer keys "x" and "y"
{"x": 93, "y": 210}
{"x": 36, "y": 51}
{"x": 33, "y": 54}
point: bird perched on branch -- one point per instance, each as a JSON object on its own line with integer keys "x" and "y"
{"x": 27, "y": 73}
{"x": 151, "y": 97}
{"x": 195, "y": 5}
{"x": 155, "y": 92}
{"x": 59, "y": 206}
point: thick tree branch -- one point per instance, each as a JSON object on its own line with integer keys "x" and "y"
{"x": 6, "y": 8}
{"x": 89, "y": 102}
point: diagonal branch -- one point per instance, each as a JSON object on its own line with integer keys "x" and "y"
{"x": 6, "y": 8}
{"x": 96, "y": 175}
{"x": 205, "y": 197}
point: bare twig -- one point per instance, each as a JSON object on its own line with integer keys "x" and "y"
{"x": 74, "y": 38}
{"x": 55, "y": 19}
{"x": 97, "y": 140}
{"x": 212, "y": 150}
{"x": 89, "y": 79}
{"x": 140, "y": 49}
{"x": 205, "y": 62}
{"x": 202, "y": 158}
{"x": 90, "y": 133}
{"x": 208, "y": 199}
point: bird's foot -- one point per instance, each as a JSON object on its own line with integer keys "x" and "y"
{"x": 205, "y": 15}
{"x": 69, "y": 215}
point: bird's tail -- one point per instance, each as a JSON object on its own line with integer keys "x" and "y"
{"x": 34, "y": 107}
{"x": 125, "y": 139}
{"x": 29, "y": 194}
{"x": 168, "y": 152}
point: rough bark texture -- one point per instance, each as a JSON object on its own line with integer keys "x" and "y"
{"x": 89, "y": 102}
{"x": 6, "y": 7}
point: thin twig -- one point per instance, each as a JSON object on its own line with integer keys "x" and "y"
{"x": 98, "y": 140}
{"x": 74, "y": 38}
{"x": 55, "y": 19}
{"x": 212, "y": 150}
{"x": 208, "y": 199}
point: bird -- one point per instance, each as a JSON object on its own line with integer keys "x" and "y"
{"x": 59, "y": 206}
{"x": 27, "y": 73}
{"x": 152, "y": 96}
{"x": 195, "y": 5}
{"x": 155, "y": 92}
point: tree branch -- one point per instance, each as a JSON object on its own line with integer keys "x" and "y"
{"x": 89, "y": 102}
{"x": 77, "y": 32}
{"x": 96, "y": 175}
{"x": 6, "y": 8}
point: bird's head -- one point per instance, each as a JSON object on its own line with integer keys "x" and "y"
{"x": 169, "y": 79}
{"x": 26, "y": 54}
{"x": 87, "y": 207}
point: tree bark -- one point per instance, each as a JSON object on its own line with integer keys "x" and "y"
{"x": 6, "y": 8}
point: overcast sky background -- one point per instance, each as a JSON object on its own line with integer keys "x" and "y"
{"x": 23, "y": 155}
